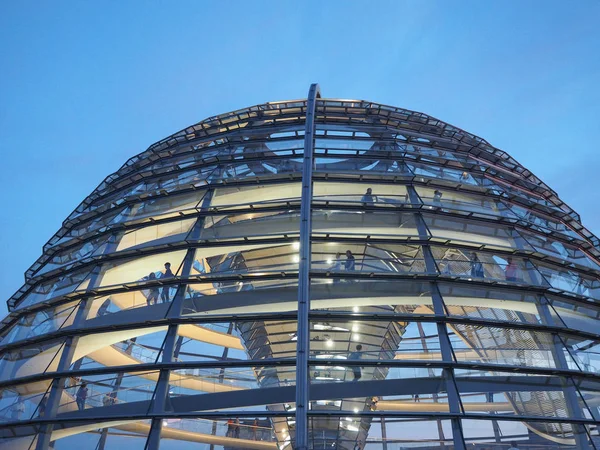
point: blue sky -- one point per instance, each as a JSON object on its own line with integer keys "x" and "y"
{"x": 86, "y": 85}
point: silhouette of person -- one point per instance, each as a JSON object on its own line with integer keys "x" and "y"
{"x": 166, "y": 274}
{"x": 152, "y": 298}
{"x": 356, "y": 355}
{"x": 350, "y": 261}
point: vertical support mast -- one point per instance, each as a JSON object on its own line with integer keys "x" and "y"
{"x": 302, "y": 346}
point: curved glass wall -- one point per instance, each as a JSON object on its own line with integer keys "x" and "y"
{"x": 453, "y": 296}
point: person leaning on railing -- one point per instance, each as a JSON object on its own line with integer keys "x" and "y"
{"x": 230, "y": 428}
{"x": 164, "y": 296}
{"x": 81, "y": 396}
{"x": 367, "y": 199}
{"x": 355, "y": 356}
{"x": 476, "y": 266}
{"x": 350, "y": 261}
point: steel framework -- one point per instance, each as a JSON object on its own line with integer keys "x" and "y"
{"x": 310, "y": 274}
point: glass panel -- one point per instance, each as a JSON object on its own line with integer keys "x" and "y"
{"x": 368, "y": 296}
{"x": 380, "y": 195}
{"x": 66, "y": 284}
{"x": 236, "y": 341}
{"x": 113, "y": 216}
{"x": 372, "y": 165}
{"x": 264, "y": 224}
{"x": 186, "y": 382}
{"x": 588, "y": 393}
{"x": 111, "y": 304}
{"x": 570, "y": 280}
{"x": 564, "y": 253}
{"x": 461, "y": 202}
{"x": 343, "y": 146}
{"x": 451, "y": 176}
{"x": 502, "y": 434}
{"x": 425, "y": 153}
{"x": 67, "y": 258}
{"x": 368, "y": 258}
{"x": 346, "y": 370}
{"x": 419, "y": 341}
{"x": 24, "y": 401}
{"x": 169, "y": 183}
{"x": 104, "y": 391}
{"x": 208, "y": 388}
{"x": 544, "y": 224}
{"x": 355, "y": 432}
{"x": 479, "y": 233}
{"x": 180, "y": 434}
{"x": 25, "y": 437}
{"x": 262, "y": 195}
{"x": 236, "y": 296}
{"x": 129, "y": 434}
{"x": 490, "y": 304}
{"x": 340, "y": 340}
{"x": 169, "y": 206}
{"x": 337, "y": 223}
{"x": 583, "y": 354}
{"x": 119, "y": 348}
{"x": 121, "y": 272}
{"x": 574, "y": 314}
{"x": 42, "y": 322}
{"x": 155, "y": 235}
{"x": 246, "y": 259}
{"x": 469, "y": 264}
{"x": 30, "y": 360}
{"x": 250, "y": 169}
{"x": 506, "y": 346}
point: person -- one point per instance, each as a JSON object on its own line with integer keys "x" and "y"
{"x": 42, "y": 407}
{"x": 513, "y": 446}
{"x": 236, "y": 430}
{"x": 350, "y": 261}
{"x": 152, "y": 298}
{"x": 510, "y": 271}
{"x": 230, "y": 427}
{"x": 437, "y": 198}
{"x": 254, "y": 428}
{"x": 107, "y": 400}
{"x": 416, "y": 398}
{"x": 367, "y": 199}
{"x": 81, "y": 396}
{"x": 336, "y": 265}
{"x": 103, "y": 310}
{"x": 490, "y": 397}
{"x": 167, "y": 274}
{"x": 464, "y": 176}
{"x": 476, "y": 266}
{"x": 356, "y": 355}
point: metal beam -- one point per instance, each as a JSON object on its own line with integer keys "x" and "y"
{"x": 303, "y": 343}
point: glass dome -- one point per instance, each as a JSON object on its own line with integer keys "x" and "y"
{"x": 419, "y": 287}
